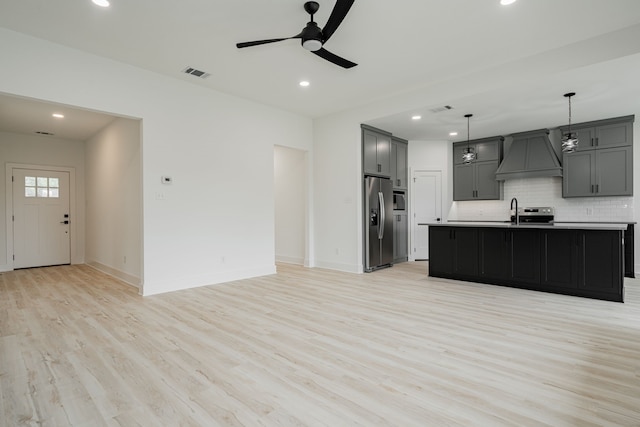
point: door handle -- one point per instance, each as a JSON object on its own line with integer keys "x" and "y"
{"x": 382, "y": 215}
{"x": 64, "y": 222}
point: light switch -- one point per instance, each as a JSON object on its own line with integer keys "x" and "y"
{"x": 166, "y": 180}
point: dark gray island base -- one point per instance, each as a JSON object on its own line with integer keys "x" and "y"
{"x": 571, "y": 259}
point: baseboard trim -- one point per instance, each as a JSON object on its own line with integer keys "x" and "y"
{"x": 125, "y": 277}
{"x": 289, "y": 260}
{"x": 152, "y": 287}
{"x": 347, "y": 268}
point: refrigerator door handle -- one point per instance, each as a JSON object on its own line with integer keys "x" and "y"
{"x": 382, "y": 214}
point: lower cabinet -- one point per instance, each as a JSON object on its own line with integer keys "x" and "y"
{"x": 600, "y": 260}
{"x": 525, "y": 257}
{"x": 457, "y": 253}
{"x": 494, "y": 253}
{"x": 585, "y": 263}
{"x": 559, "y": 258}
{"x": 400, "y": 234}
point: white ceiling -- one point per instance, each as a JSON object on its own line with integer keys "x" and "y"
{"x": 509, "y": 66}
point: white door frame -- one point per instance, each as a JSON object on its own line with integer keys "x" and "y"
{"x": 73, "y": 216}
{"x": 414, "y": 172}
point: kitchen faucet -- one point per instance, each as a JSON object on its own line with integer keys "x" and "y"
{"x": 516, "y": 211}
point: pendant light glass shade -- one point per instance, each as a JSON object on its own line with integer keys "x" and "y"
{"x": 569, "y": 139}
{"x": 469, "y": 154}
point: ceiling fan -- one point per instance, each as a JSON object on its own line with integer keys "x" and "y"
{"x": 313, "y": 38}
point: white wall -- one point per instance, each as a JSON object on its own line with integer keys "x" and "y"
{"x": 291, "y": 189}
{"x": 113, "y": 200}
{"x": 338, "y": 190}
{"x": 216, "y": 222}
{"x": 42, "y": 151}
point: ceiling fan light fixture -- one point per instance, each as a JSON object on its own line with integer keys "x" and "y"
{"x": 101, "y": 3}
{"x": 312, "y": 45}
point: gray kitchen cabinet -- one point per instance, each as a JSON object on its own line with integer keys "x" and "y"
{"x": 376, "y": 151}
{"x": 477, "y": 180}
{"x": 399, "y": 174}
{"x": 598, "y": 173}
{"x": 400, "y": 237}
{"x": 602, "y": 165}
{"x": 616, "y": 132}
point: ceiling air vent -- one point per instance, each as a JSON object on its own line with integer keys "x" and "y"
{"x": 42, "y": 132}
{"x": 441, "y": 109}
{"x": 197, "y": 73}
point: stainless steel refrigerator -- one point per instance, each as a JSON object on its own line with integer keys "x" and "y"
{"x": 378, "y": 210}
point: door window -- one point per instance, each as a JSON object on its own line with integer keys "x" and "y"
{"x": 41, "y": 186}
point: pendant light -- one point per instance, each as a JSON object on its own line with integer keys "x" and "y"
{"x": 469, "y": 154}
{"x": 569, "y": 140}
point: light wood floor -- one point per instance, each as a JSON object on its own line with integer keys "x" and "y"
{"x": 310, "y": 347}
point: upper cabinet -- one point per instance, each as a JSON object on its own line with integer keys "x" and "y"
{"x": 399, "y": 171}
{"x": 602, "y": 165}
{"x": 376, "y": 152}
{"x": 616, "y": 132}
{"x": 477, "y": 180}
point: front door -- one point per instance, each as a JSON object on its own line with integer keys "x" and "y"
{"x": 40, "y": 218}
{"x": 427, "y": 209}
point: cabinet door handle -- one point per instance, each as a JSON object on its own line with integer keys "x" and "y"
{"x": 592, "y": 188}
{"x": 379, "y": 167}
{"x": 597, "y": 188}
{"x": 399, "y": 182}
{"x": 399, "y": 218}
{"x": 597, "y": 141}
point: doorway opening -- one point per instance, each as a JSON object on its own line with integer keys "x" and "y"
{"x": 290, "y": 200}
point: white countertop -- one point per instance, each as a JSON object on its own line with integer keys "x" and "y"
{"x": 554, "y": 225}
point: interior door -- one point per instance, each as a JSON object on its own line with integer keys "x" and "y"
{"x": 40, "y": 218}
{"x": 426, "y": 204}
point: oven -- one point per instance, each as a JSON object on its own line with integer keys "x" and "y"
{"x": 535, "y": 215}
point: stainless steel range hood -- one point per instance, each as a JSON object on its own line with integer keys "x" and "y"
{"x": 531, "y": 155}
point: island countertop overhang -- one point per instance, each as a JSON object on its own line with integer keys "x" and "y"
{"x": 552, "y": 225}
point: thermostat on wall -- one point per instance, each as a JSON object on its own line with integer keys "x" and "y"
{"x": 166, "y": 180}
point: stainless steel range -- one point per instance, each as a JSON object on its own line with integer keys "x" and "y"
{"x": 537, "y": 215}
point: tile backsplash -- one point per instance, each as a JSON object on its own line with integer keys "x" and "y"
{"x": 545, "y": 192}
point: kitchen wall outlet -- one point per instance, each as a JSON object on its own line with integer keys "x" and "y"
{"x": 222, "y": 260}
{"x": 124, "y": 259}
{"x": 166, "y": 180}
{"x": 337, "y": 251}
{"x": 589, "y": 211}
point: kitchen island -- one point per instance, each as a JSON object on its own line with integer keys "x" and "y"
{"x": 579, "y": 259}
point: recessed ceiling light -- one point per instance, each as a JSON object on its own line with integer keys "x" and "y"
{"x": 101, "y": 3}
{"x": 58, "y": 115}
{"x": 304, "y": 83}
{"x": 416, "y": 117}
{"x": 507, "y": 2}
{"x": 453, "y": 133}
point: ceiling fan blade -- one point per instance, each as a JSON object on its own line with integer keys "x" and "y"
{"x": 325, "y": 54}
{"x": 259, "y": 42}
{"x": 338, "y": 13}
